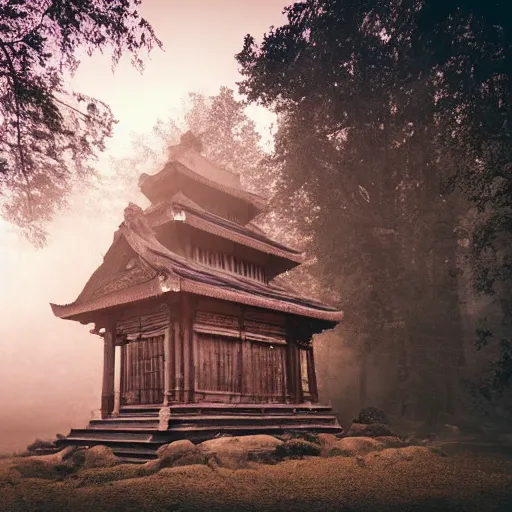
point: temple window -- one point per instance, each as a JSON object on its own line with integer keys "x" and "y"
{"x": 229, "y": 263}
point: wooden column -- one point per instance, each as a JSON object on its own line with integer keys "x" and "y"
{"x": 313, "y": 389}
{"x": 293, "y": 363}
{"x": 168, "y": 355}
{"x": 187, "y": 342}
{"x": 167, "y": 362}
{"x": 117, "y": 380}
{"x": 297, "y": 373}
{"x": 178, "y": 354}
{"x": 244, "y": 366}
{"x": 107, "y": 393}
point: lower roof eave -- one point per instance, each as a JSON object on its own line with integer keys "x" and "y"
{"x": 83, "y": 311}
{"x": 249, "y": 299}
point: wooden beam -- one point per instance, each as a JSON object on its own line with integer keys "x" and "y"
{"x": 187, "y": 317}
{"x": 313, "y": 389}
{"x": 178, "y": 355}
{"x": 107, "y": 392}
{"x": 117, "y": 380}
{"x": 244, "y": 362}
{"x": 167, "y": 362}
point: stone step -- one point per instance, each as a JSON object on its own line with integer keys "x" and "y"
{"x": 242, "y": 428}
{"x": 222, "y": 408}
{"x": 125, "y": 435}
{"x": 135, "y": 454}
{"x": 181, "y": 420}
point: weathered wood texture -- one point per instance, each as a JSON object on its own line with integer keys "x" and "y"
{"x": 213, "y": 351}
{"x": 107, "y": 392}
{"x": 187, "y": 348}
{"x": 218, "y": 366}
{"x": 267, "y": 372}
{"x": 143, "y": 371}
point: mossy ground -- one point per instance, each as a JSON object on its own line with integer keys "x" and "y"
{"x": 427, "y": 481}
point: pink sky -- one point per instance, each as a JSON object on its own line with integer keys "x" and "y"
{"x": 50, "y": 369}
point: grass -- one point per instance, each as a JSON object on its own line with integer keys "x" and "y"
{"x": 411, "y": 479}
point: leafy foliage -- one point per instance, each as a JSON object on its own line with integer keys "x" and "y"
{"x": 229, "y": 138}
{"x": 49, "y": 134}
{"x": 384, "y": 108}
{"x": 370, "y": 415}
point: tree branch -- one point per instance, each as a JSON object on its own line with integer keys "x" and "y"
{"x": 19, "y": 141}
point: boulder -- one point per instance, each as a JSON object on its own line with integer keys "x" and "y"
{"x": 180, "y": 453}
{"x": 297, "y": 448}
{"x": 390, "y": 441}
{"x": 34, "y": 467}
{"x": 327, "y": 439}
{"x": 369, "y": 430}
{"x": 237, "y": 452}
{"x": 327, "y": 443}
{"x": 99, "y": 457}
{"x": 352, "y": 446}
{"x": 103, "y": 475}
{"x": 396, "y": 455}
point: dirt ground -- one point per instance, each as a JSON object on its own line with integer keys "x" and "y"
{"x": 379, "y": 481}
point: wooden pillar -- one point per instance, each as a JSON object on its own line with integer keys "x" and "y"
{"x": 117, "y": 380}
{"x": 187, "y": 342}
{"x": 244, "y": 367}
{"x": 293, "y": 360}
{"x": 178, "y": 355}
{"x": 107, "y": 393}
{"x": 297, "y": 373}
{"x": 313, "y": 389}
{"x": 167, "y": 362}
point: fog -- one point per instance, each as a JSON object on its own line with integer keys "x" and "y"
{"x": 50, "y": 369}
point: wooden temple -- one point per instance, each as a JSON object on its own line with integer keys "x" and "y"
{"x": 198, "y": 340}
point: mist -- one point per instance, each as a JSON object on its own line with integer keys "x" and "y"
{"x": 50, "y": 369}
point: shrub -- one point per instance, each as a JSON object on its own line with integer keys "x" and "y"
{"x": 297, "y": 448}
{"x": 370, "y": 415}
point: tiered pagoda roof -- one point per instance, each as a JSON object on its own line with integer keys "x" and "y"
{"x": 181, "y": 208}
{"x": 138, "y": 267}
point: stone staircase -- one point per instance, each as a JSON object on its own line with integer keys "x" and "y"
{"x": 134, "y": 434}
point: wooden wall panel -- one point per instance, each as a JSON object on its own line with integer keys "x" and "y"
{"x": 218, "y": 365}
{"x": 142, "y": 371}
{"x": 268, "y": 371}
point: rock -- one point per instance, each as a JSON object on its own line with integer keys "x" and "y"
{"x": 237, "y": 452}
{"x": 102, "y": 475}
{"x": 180, "y": 453}
{"x": 328, "y": 439}
{"x": 100, "y": 457}
{"x": 390, "y": 441}
{"x": 34, "y": 467}
{"x": 395, "y": 455}
{"x": 371, "y": 430}
{"x": 360, "y": 461}
{"x": 297, "y": 448}
{"x": 9, "y": 476}
{"x": 151, "y": 466}
{"x": 66, "y": 452}
{"x": 327, "y": 443}
{"x": 350, "y": 446}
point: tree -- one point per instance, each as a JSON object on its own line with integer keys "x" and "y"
{"x": 48, "y": 134}
{"x": 365, "y": 144}
{"x": 228, "y": 135}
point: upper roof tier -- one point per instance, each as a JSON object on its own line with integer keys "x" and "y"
{"x": 180, "y": 208}
{"x": 206, "y": 183}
